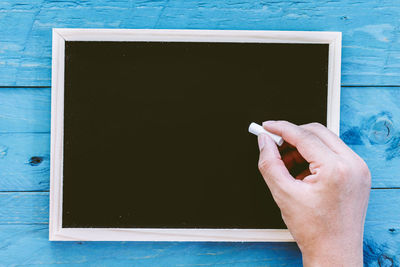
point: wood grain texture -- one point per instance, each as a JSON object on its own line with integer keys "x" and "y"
{"x": 382, "y": 227}
{"x": 24, "y": 208}
{"x": 370, "y": 121}
{"x": 29, "y": 245}
{"x": 24, "y": 109}
{"x": 24, "y": 231}
{"x": 370, "y": 125}
{"x": 24, "y": 161}
{"x": 371, "y": 47}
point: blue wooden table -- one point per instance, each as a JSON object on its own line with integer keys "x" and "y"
{"x": 370, "y": 120}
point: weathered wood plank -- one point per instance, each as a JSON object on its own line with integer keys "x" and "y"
{"x": 382, "y": 228}
{"x": 24, "y": 208}
{"x": 32, "y": 208}
{"x": 381, "y": 242}
{"x": 370, "y": 125}
{"x": 370, "y": 121}
{"x": 24, "y": 161}
{"x": 371, "y": 46}
{"x": 25, "y": 109}
{"x": 29, "y": 245}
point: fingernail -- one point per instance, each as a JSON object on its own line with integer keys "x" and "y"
{"x": 261, "y": 141}
{"x": 265, "y": 123}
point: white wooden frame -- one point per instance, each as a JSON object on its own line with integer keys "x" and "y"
{"x": 57, "y": 232}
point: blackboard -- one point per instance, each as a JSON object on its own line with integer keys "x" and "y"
{"x": 155, "y": 132}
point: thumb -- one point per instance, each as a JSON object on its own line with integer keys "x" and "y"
{"x": 271, "y": 166}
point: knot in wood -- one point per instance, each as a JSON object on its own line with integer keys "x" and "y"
{"x": 381, "y": 130}
{"x": 385, "y": 261}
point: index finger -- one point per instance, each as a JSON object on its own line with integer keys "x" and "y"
{"x": 328, "y": 137}
{"x": 308, "y": 144}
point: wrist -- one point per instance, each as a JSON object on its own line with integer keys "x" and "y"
{"x": 340, "y": 253}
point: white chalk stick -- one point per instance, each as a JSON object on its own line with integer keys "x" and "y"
{"x": 256, "y": 129}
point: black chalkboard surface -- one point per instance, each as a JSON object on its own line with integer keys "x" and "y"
{"x": 155, "y": 133}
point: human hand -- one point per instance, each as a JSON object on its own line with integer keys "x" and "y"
{"x": 321, "y": 187}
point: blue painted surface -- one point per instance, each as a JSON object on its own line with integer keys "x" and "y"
{"x": 370, "y": 118}
{"x": 371, "y": 47}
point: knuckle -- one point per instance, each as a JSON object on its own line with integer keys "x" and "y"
{"x": 316, "y": 126}
{"x": 306, "y": 134}
{"x": 265, "y": 167}
{"x": 363, "y": 167}
{"x": 362, "y": 172}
